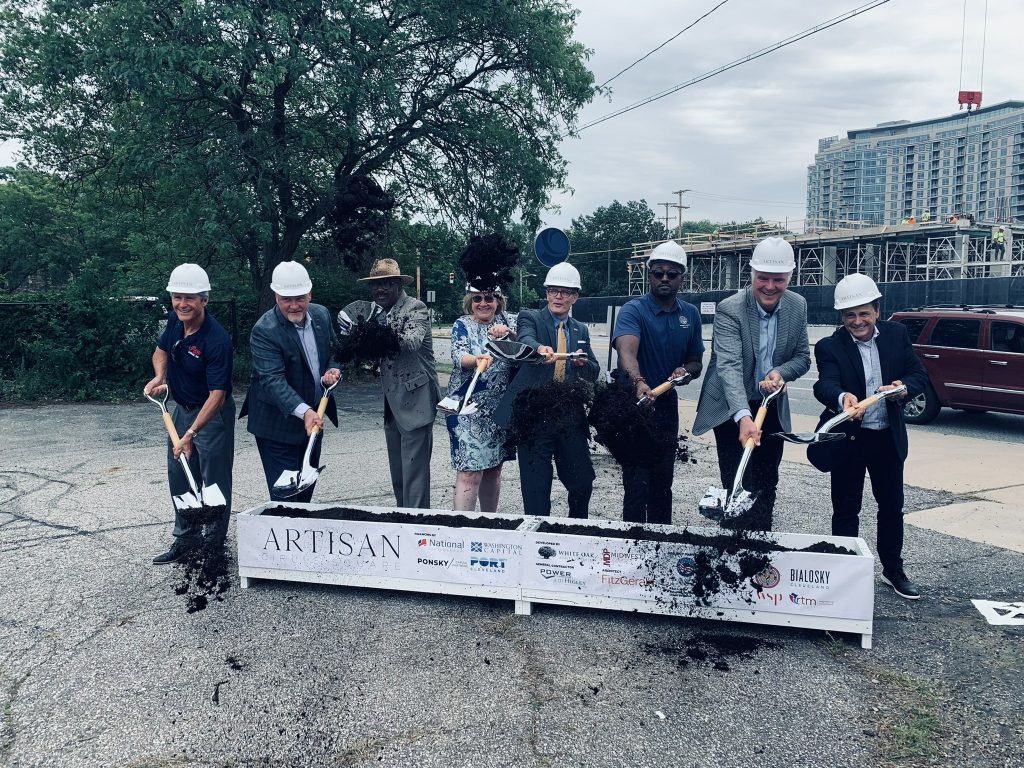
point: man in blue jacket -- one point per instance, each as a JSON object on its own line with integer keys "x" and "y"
{"x": 292, "y": 346}
{"x": 551, "y": 331}
{"x": 864, "y": 356}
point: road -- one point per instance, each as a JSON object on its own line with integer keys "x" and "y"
{"x": 992, "y": 426}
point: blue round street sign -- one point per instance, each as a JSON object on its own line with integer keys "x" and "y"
{"x": 551, "y": 246}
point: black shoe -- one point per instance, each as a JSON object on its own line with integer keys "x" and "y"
{"x": 903, "y": 586}
{"x": 172, "y": 555}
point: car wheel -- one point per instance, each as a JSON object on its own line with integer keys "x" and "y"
{"x": 923, "y": 408}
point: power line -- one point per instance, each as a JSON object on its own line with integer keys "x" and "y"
{"x": 751, "y": 57}
{"x": 655, "y": 50}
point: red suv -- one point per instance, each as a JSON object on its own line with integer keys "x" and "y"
{"x": 974, "y": 356}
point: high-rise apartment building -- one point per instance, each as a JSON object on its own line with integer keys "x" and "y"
{"x": 967, "y": 163}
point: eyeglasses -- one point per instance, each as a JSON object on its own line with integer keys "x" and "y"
{"x": 175, "y": 354}
{"x": 671, "y": 274}
{"x": 488, "y": 297}
{"x": 561, "y": 292}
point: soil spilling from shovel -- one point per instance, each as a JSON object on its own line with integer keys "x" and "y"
{"x": 204, "y": 574}
{"x": 487, "y": 262}
{"x": 362, "y": 516}
{"x": 631, "y": 433}
{"x": 366, "y": 344}
{"x": 555, "y": 407}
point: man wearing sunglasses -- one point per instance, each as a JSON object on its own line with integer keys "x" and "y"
{"x": 657, "y": 338}
{"x": 193, "y": 357}
{"x": 759, "y": 343}
{"x": 554, "y": 333}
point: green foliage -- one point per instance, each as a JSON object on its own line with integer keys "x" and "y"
{"x": 603, "y": 242}
{"x": 229, "y": 129}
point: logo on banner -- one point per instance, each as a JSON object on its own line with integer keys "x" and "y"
{"x": 487, "y": 564}
{"x": 608, "y": 556}
{"x": 476, "y": 546}
{"x": 768, "y": 578}
{"x": 433, "y": 542}
{"x": 626, "y": 581}
{"x": 810, "y": 578}
{"x": 496, "y": 548}
{"x": 427, "y": 561}
{"x": 546, "y": 552}
{"x": 797, "y": 599}
{"x": 686, "y": 567}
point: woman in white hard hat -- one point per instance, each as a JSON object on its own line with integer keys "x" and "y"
{"x": 194, "y": 358}
{"x": 867, "y": 355}
{"x": 479, "y": 446}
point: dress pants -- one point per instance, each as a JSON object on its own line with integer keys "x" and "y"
{"x": 875, "y": 452}
{"x": 571, "y": 452}
{"x": 647, "y": 496}
{"x": 762, "y": 476}
{"x": 278, "y": 457}
{"x": 409, "y": 459}
{"x": 213, "y": 456}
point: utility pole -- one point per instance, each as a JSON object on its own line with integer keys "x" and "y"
{"x": 680, "y": 208}
{"x": 667, "y": 206}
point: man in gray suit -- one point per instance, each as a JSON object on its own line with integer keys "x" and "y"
{"x": 292, "y": 346}
{"x": 409, "y": 380}
{"x": 758, "y": 344}
{"x": 549, "y": 331}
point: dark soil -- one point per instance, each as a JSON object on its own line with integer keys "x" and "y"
{"x": 362, "y": 516}
{"x": 487, "y": 262}
{"x": 714, "y": 649}
{"x": 727, "y": 541}
{"x": 366, "y": 344}
{"x": 630, "y": 432}
{"x": 683, "y": 450}
{"x": 555, "y": 407}
{"x": 204, "y": 575}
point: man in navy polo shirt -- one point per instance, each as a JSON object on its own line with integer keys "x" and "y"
{"x": 657, "y": 338}
{"x": 194, "y": 358}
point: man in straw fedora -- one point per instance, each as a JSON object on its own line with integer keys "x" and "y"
{"x": 409, "y": 379}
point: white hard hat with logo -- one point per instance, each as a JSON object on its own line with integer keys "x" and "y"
{"x": 188, "y": 278}
{"x": 290, "y": 279}
{"x": 563, "y": 275}
{"x": 773, "y": 254}
{"x": 855, "y": 290}
{"x": 669, "y": 251}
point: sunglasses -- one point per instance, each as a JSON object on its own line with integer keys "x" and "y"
{"x": 671, "y": 274}
{"x": 488, "y": 297}
{"x": 175, "y": 353}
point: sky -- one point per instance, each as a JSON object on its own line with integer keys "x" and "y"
{"x": 741, "y": 141}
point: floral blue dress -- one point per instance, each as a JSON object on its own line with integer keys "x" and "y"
{"x": 477, "y": 442}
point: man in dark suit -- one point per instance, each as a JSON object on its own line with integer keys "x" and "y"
{"x": 291, "y": 347}
{"x": 864, "y": 356}
{"x": 759, "y": 343}
{"x": 551, "y": 331}
{"x": 409, "y": 379}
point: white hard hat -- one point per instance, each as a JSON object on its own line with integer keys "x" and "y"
{"x": 290, "y": 279}
{"x": 188, "y": 278}
{"x": 855, "y": 290}
{"x": 563, "y": 275}
{"x": 669, "y": 251}
{"x": 773, "y": 254}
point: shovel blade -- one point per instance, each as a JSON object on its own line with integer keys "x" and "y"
{"x": 449, "y": 405}
{"x": 810, "y": 438}
{"x": 212, "y": 496}
{"x": 186, "y": 502}
{"x": 468, "y": 409}
{"x": 288, "y": 481}
{"x": 712, "y": 505}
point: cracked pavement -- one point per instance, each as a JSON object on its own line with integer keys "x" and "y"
{"x": 100, "y": 665}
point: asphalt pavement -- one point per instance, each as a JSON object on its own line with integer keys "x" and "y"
{"x": 101, "y": 665}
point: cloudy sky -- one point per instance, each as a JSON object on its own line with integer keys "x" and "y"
{"x": 742, "y": 140}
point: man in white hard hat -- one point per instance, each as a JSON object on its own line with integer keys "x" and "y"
{"x": 553, "y": 332}
{"x": 759, "y": 343}
{"x": 864, "y": 356}
{"x": 292, "y": 346}
{"x": 409, "y": 380}
{"x": 194, "y": 358}
{"x": 657, "y": 337}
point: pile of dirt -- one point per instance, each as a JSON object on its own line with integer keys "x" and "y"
{"x": 631, "y": 433}
{"x": 550, "y": 409}
{"x": 366, "y": 344}
{"x": 363, "y": 516}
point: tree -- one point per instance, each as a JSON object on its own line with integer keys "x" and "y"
{"x": 603, "y": 241}
{"x": 249, "y": 122}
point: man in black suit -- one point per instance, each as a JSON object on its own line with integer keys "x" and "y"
{"x": 292, "y": 347}
{"x": 552, "y": 331}
{"x": 864, "y": 356}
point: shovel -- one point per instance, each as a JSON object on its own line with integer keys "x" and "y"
{"x": 823, "y": 435}
{"x": 186, "y": 501}
{"x": 292, "y": 482}
{"x": 515, "y": 352}
{"x": 661, "y": 389}
{"x": 462, "y": 406}
{"x": 717, "y": 504}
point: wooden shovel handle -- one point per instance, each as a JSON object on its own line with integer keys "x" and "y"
{"x": 661, "y": 389}
{"x": 483, "y": 364}
{"x": 320, "y": 411}
{"x": 866, "y": 403}
{"x": 169, "y": 423}
{"x": 758, "y": 423}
